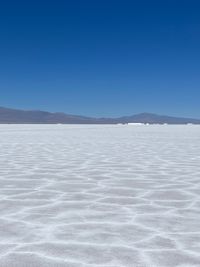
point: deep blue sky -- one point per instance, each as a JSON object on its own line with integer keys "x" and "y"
{"x": 101, "y": 58}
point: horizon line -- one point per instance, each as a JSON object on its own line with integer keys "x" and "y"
{"x": 98, "y": 117}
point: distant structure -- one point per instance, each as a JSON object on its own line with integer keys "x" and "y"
{"x": 136, "y": 123}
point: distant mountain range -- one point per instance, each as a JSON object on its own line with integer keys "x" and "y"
{"x": 15, "y": 116}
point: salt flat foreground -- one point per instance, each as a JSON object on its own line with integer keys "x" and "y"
{"x": 82, "y": 196}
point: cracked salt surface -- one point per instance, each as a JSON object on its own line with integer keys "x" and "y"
{"x": 86, "y": 195}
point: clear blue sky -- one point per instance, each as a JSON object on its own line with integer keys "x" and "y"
{"x": 101, "y": 58}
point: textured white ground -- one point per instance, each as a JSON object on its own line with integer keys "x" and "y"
{"x": 84, "y": 196}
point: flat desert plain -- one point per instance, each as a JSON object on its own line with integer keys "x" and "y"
{"x": 99, "y": 195}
